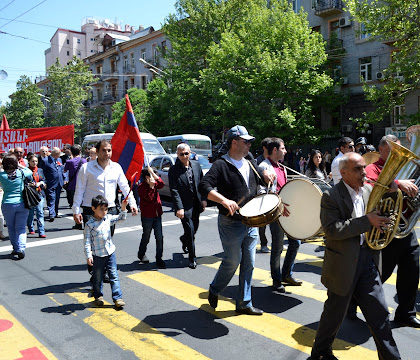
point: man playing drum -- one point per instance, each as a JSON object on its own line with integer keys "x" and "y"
{"x": 276, "y": 151}
{"x": 231, "y": 181}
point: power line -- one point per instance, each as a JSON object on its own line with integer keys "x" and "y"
{"x": 33, "y": 7}
{"x": 31, "y": 23}
{"x": 4, "y": 7}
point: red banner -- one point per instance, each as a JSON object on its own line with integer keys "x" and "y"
{"x": 32, "y": 139}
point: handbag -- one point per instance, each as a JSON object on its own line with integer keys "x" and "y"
{"x": 73, "y": 176}
{"x": 30, "y": 194}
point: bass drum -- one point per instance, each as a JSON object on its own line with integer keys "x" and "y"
{"x": 304, "y": 199}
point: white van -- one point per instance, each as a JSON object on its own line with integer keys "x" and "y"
{"x": 150, "y": 143}
{"x": 199, "y": 144}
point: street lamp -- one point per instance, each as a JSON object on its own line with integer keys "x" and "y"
{"x": 152, "y": 67}
{"x": 45, "y": 97}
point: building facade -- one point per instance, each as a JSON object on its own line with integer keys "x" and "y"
{"x": 361, "y": 60}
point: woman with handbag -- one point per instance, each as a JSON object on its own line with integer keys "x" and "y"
{"x": 39, "y": 179}
{"x": 73, "y": 166}
{"x": 12, "y": 181}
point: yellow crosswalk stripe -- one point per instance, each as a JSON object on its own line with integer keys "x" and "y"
{"x": 132, "y": 334}
{"x": 21, "y": 344}
{"x": 270, "y": 326}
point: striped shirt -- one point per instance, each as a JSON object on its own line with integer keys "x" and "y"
{"x": 98, "y": 240}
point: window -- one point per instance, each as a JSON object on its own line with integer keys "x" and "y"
{"x": 163, "y": 45}
{"x": 132, "y": 61}
{"x": 125, "y": 86}
{"x": 314, "y": 3}
{"x": 143, "y": 54}
{"x": 166, "y": 164}
{"x": 363, "y": 35}
{"x": 68, "y": 41}
{"x": 114, "y": 90}
{"x": 78, "y": 41}
{"x": 99, "y": 70}
{"x": 336, "y": 70}
{"x": 125, "y": 62}
{"x": 335, "y": 28}
{"x": 156, "y": 163}
{"x": 112, "y": 65}
{"x": 132, "y": 82}
{"x": 154, "y": 53}
{"x": 399, "y": 111}
{"x": 99, "y": 94}
{"x": 296, "y": 5}
{"x": 68, "y": 53}
{"x": 366, "y": 69}
{"x": 143, "y": 82}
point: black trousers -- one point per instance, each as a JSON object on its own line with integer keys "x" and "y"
{"x": 403, "y": 253}
{"x": 190, "y": 225}
{"x": 87, "y": 212}
{"x": 368, "y": 292}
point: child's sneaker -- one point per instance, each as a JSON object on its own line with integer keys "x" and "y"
{"x": 119, "y": 303}
{"x": 99, "y": 301}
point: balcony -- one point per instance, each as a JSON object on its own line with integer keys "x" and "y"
{"x": 326, "y": 8}
{"x": 98, "y": 80}
{"x": 110, "y": 75}
{"x": 110, "y": 99}
{"x": 129, "y": 69}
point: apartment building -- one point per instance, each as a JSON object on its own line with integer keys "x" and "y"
{"x": 361, "y": 59}
{"x": 118, "y": 69}
{"x": 67, "y": 43}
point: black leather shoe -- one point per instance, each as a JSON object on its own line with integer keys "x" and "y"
{"x": 411, "y": 322}
{"x": 192, "y": 265}
{"x": 213, "y": 300}
{"x": 21, "y": 255}
{"x": 277, "y": 286}
{"x": 51, "y": 219}
{"x": 160, "y": 264}
{"x": 292, "y": 281}
{"x": 250, "y": 311}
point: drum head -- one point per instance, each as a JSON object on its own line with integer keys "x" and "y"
{"x": 304, "y": 199}
{"x": 259, "y": 205}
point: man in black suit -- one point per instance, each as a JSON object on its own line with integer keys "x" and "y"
{"x": 350, "y": 266}
{"x": 184, "y": 178}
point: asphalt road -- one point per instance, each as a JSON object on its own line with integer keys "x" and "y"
{"x": 46, "y": 311}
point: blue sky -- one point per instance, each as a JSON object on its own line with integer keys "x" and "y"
{"x": 20, "y": 56}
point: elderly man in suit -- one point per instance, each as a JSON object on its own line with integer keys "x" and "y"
{"x": 53, "y": 171}
{"x": 350, "y": 266}
{"x": 184, "y": 178}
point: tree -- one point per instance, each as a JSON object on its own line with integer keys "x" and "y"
{"x": 138, "y": 100}
{"x": 26, "y": 108}
{"x": 241, "y": 62}
{"x": 68, "y": 89}
{"x": 395, "y": 22}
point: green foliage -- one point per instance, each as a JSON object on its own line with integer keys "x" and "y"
{"x": 139, "y": 102}
{"x": 67, "y": 90}
{"x": 26, "y": 108}
{"x": 394, "y": 22}
{"x": 240, "y": 62}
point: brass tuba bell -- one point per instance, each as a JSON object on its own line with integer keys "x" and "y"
{"x": 389, "y": 205}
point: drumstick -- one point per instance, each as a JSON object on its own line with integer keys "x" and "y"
{"x": 238, "y": 203}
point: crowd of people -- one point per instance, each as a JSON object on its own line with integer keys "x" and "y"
{"x": 352, "y": 272}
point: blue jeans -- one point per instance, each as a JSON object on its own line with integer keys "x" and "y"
{"x": 99, "y": 264}
{"x": 148, "y": 224}
{"x": 39, "y": 211}
{"x": 16, "y": 215}
{"x": 277, "y": 235}
{"x": 239, "y": 243}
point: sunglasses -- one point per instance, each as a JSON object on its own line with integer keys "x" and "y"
{"x": 184, "y": 153}
{"x": 245, "y": 141}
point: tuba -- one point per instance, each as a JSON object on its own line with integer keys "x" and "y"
{"x": 411, "y": 206}
{"x": 389, "y": 205}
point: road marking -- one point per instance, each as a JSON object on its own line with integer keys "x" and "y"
{"x": 21, "y": 344}
{"x": 9, "y": 248}
{"x": 132, "y": 334}
{"x": 273, "y": 327}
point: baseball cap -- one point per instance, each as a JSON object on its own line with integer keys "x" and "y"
{"x": 361, "y": 140}
{"x": 239, "y": 131}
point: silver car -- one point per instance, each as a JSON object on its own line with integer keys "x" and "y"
{"x": 163, "y": 163}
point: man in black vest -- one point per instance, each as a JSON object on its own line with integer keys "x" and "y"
{"x": 184, "y": 178}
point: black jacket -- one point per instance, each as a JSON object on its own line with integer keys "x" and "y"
{"x": 229, "y": 182}
{"x": 182, "y": 196}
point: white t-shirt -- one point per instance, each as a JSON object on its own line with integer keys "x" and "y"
{"x": 243, "y": 167}
{"x": 336, "y": 175}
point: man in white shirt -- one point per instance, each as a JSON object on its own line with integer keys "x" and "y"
{"x": 345, "y": 145}
{"x": 100, "y": 177}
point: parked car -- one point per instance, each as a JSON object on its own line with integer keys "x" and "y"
{"x": 163, "y": 163}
